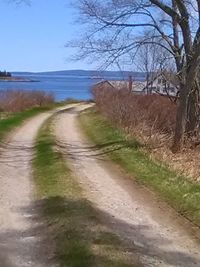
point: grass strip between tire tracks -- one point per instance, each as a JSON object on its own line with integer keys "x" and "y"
{"x": 177, "y": 190}
{"x": 80, "y": 239}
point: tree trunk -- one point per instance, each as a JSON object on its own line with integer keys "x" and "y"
{"x": 188, "y": 113}
{"x": 193, "y": 111}
{"x": 147, "y": 83}
{"x": 188, "y": 110}
{"x": 181, "y": 119}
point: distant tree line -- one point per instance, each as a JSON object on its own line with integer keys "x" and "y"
{"x": 5, "y": 74}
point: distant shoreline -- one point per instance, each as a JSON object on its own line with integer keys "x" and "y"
{"x": 16, "y": 79}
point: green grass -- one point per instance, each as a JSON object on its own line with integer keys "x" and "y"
{"x": 79, "y": 237}
{"x": 13, "y": 120}
{"x": 16, "y": 119}
{"x": 177, "y": 190}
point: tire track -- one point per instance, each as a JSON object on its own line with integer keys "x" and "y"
{"x": 150, "y": 227}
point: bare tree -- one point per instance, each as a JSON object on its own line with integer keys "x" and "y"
{"x": 146, "y": 61}
{"x": 117, "y": 27}
{"x": 152, "y": 60}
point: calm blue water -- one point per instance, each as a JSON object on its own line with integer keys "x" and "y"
{"x": 61, "y": 86}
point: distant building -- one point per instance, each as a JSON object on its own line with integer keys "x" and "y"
{"x": 164, "y": 84}
{"x": 136, "y": 86}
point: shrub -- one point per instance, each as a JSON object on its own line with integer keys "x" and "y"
{"x": 20, "y": 100}
{"x": 130, "y": 111}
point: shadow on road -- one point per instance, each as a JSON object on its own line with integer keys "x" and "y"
{"x": 73, "y": 227}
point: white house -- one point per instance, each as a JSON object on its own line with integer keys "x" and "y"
{"x": 163, "y": 84}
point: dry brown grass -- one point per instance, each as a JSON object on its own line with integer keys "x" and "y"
{"x": 20, "y": 100}
{"x": 187, "y": 162}
{"x": 151, "y": 119}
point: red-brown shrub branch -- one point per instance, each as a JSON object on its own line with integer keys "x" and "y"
{"x": 130, "y": 110}
{"x": 20, "y": 100}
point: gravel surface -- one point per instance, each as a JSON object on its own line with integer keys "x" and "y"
{"x": 21, "y": 232}
{"x": 157, "y": 234}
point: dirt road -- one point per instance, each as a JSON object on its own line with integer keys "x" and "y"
{"x": 153, "y": 229}
{"x": 21, "y": 243}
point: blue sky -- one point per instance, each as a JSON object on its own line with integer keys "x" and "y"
{"x": 33, "y": 37}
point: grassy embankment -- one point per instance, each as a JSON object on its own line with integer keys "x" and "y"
{"x": 79, "y": 236}
{"x": 16, "y": 119}
{"x": 179, "y": 192}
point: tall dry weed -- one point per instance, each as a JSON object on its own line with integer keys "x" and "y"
{"x": 20, "y": 100}
{"x": 157, "y": 113}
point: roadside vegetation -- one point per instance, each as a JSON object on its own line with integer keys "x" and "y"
{"x": 151, "y": 119}
{"x": 16, "y": 119}
{"x": 117, "y": 37}
{"x": 177, "y": 190}
{"x": 20, "y": 100}
{"x": 149, "y": 114}
{"x": 79, "y": 237}
{"x": 18, "y": 105}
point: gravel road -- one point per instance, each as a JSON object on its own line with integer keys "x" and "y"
{"x": 21, "y": 241}
{"x": 159, "y": 236}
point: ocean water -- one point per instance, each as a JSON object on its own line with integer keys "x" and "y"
{"x": 61, "y": 86}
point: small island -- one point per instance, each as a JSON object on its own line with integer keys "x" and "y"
{"x": 7, "y": 77}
